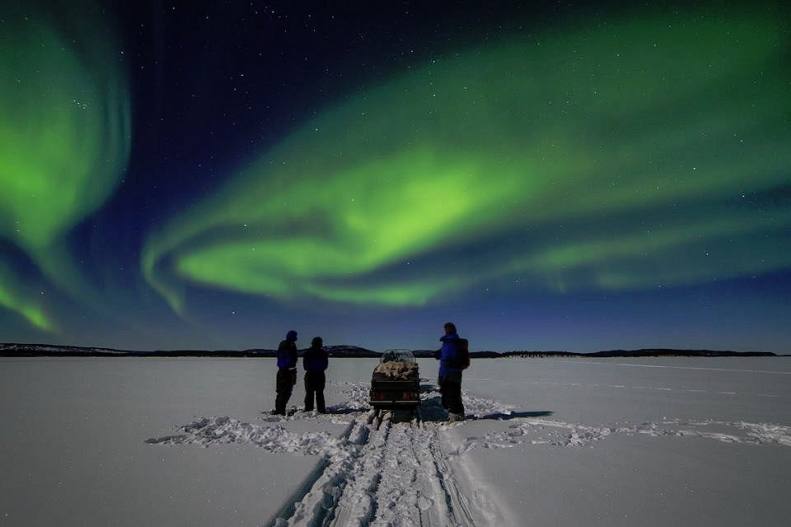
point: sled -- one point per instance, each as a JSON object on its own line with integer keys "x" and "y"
{"x": 395, "y": 382}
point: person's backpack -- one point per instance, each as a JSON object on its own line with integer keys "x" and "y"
{"x": 463, "y": 351}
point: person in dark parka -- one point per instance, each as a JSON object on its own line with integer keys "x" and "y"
{"x": 286, "y": 371}
{"x": 450, "y": 373}
{"x": 315, "y": 362}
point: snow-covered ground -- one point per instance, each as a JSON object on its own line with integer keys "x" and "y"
{"x": 148, "y": 441}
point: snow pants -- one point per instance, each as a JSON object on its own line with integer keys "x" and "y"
{"x": 286, "y": 379}
{"x": 314, "y": 386}
{"x": 450, "y": 388}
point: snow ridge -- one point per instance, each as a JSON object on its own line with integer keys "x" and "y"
{"x": 208, "y": 431}
{"x": 531, "y": 431}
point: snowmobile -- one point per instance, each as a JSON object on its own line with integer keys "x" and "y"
{"x": 395, "y": 383}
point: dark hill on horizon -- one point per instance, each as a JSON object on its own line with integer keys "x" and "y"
{"x": 347, "y": 351}
{"x": 49, "y": 350}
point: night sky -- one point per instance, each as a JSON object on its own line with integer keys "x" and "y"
{"x": 547, "y": 176}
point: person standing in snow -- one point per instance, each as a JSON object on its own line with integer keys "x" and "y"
{"x": 450, "y": 369}
{"x": 286, "y": 371}
{"x": 315, "y": 362}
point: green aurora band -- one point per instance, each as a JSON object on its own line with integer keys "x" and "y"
{"x": 21, "y": 301}
{"x": 640, "y": 153}
{"x": 64, "y": 140}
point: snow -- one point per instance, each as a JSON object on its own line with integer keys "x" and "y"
{"x": 131, "y": 441}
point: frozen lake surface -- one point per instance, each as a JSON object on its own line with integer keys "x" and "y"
{"x": 131, "y": 441}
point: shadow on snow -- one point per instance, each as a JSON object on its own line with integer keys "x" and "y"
{"x": 431, "y": 410}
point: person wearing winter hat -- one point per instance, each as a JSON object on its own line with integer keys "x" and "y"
{"x": 286, "y": 371}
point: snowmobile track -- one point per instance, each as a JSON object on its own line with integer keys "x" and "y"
{"x": 389, "y": 474}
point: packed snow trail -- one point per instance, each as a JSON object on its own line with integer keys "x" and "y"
{"x": 390, "y": 473}
{"x": 399, "y": 477}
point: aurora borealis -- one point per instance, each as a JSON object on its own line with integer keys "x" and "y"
{"x": 531, "y": 173}
{"x": 64, "y": 139}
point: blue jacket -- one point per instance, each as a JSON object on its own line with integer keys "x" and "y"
{"x": 315, "y": 360}
{"x": 287, "y": 354}
{"x": 449, "y": 354}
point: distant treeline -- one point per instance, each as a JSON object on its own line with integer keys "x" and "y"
{"x": 47, "y": 350}
{"x": 647, "y": 352}
{"x": 496, "y": 354}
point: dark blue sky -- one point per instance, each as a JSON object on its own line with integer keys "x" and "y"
{"x": 566, "y": 237}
